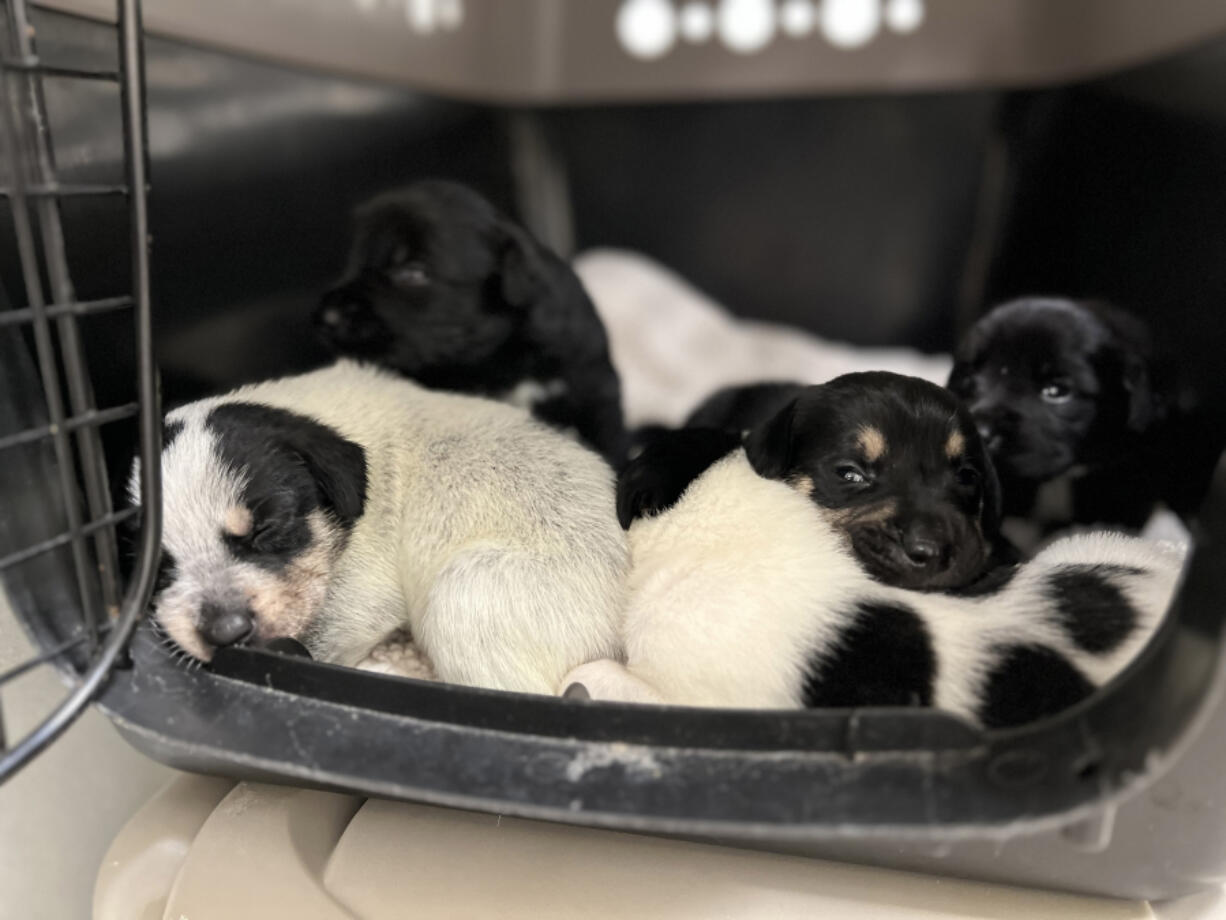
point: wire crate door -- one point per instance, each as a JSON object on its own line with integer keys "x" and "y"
{"x": 59, "y": 543}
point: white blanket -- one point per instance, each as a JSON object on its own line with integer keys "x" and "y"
{"x": 673, "y": 346}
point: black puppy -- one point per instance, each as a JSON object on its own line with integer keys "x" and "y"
{"x": 897, "y": 459}
{"x": 1083, "y": 424}
{"x": 445, "y": 290}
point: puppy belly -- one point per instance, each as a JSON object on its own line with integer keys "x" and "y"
{"x": 399, "y": 656}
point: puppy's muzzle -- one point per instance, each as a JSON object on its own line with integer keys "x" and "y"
{"x": 222, "y": 625}
{"x": 344, "y": 318}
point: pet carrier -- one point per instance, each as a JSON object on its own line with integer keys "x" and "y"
{"x": 1120, "y": 795}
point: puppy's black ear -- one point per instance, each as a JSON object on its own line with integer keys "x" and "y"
{"x": 337, "y": 465}
{"x": 657, "y": 478}
{"x": 521, "y": 267}
{"x": 769, "y": 445}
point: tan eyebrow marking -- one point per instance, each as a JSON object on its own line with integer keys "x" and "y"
{"x": 237, "y": 521}
{"x": 872, "y": 442}
{"x": 802, "y": 484}
{"x": 955, "y": 446}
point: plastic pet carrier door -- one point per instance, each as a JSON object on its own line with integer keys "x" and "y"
{"x": 59, "y": 538}
{"x": 1121, "y": 795}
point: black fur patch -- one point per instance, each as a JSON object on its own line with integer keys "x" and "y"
{"x": 166, "y": 572}
{"x": 659, "y": 476}
{"x": 170, "y": 431}
{"x": 884, "y": 658}
{"x": 1094, "y": 611}
{"x": 291, "y": 465}
{"x": 1028, "y": 683}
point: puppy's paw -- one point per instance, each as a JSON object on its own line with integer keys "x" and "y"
{"x": 608, "y": 680}
{"x": 399, "y": 656}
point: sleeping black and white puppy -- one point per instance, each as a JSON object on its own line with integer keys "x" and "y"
{"x": 445, "y": 290}
{"x": 895, "y": 460}
{"x": 343, "y": 505}
{"x": 1080, "y": 420}
{"x": 744, "y": 592}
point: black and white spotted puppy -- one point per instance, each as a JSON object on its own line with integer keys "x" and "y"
{"x": 447, "y": 291}
{"x": 343, "y": 505}
{"x": 744, "y": 592}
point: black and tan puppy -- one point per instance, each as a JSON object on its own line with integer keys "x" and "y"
{"x": 444, "y": 289}
{"x": 895, "y": 461}
{"x": 1083, "y": 424}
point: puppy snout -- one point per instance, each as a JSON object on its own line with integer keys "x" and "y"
{"x": 922, "y": 551}
{"x": 924, "y": 545}
{"x": 221, "y": 625}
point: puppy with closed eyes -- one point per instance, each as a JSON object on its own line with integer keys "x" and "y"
{"x": 749, "y": 589}
{"x": 343, "y": 506}
{"x": 445, "y": 290}
{"x": 1082, "y": 421}
{"x": 896, "y": 461}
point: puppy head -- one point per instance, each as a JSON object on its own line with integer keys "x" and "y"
{"x": 438, "y": 283}
{"x": 1054, "y": 383}
{"x": 900, "y": 468}
{"x": 258, "y": 504}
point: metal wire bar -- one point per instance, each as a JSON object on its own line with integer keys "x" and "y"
{"x": 141, "y": 587}
{"x": 85, "y": 530}
{"x": 58, "y": 190}
{"x": 14, "y": 133}
{"x": 32, "y": 65}
{"x": 76, "y": 367}
{"x": 75, "y": 308}
{"x": 30, "y": 664}
{"x": 90, "y": 419}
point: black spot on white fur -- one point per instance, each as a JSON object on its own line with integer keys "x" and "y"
{"x": 1028, "y": 683}
{"x": 170, "y": 431}
{"x": 884, "y": 658}
{"x": 1091, "y": 607}
{"x": 291, "y": 466}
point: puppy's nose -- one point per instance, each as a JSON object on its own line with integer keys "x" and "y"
{"x": 225, "y": 625}
{"x": 922, "y": 551}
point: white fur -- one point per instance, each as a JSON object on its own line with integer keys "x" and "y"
{"x": 673, "y": 346}
{"x": 491, "y": 537}
{"x": 738, "y": 587}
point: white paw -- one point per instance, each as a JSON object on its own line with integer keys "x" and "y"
{"x": 609, "y": 680}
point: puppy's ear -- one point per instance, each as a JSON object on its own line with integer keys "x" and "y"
{"x": 337, "y": 465}
{"x": 520, "y": 266}
{"x": 657, "y": 478}
{"x": 769, "y": 445}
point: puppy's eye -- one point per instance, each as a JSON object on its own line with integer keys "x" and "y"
{"x": 409, "y": 274}
{"x": 968, "y": 476}
{"x": 849, "y": 472}
{"x": 1057, "y": 391}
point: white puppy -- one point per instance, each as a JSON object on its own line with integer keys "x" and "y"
{"x": 745, "y": 594}
{"x": 338, "y": 506}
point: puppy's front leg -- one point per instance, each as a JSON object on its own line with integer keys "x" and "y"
{"x": 610, "y": 680}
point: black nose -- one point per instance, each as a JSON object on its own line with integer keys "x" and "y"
{"x": 339, "y": 306}
{"x": 225, "y": 625}
{"x": 921, "y": 551}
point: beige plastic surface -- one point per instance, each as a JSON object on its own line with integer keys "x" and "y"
{"x": 550, "y": 51}
{"x": 268, "y": 852}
